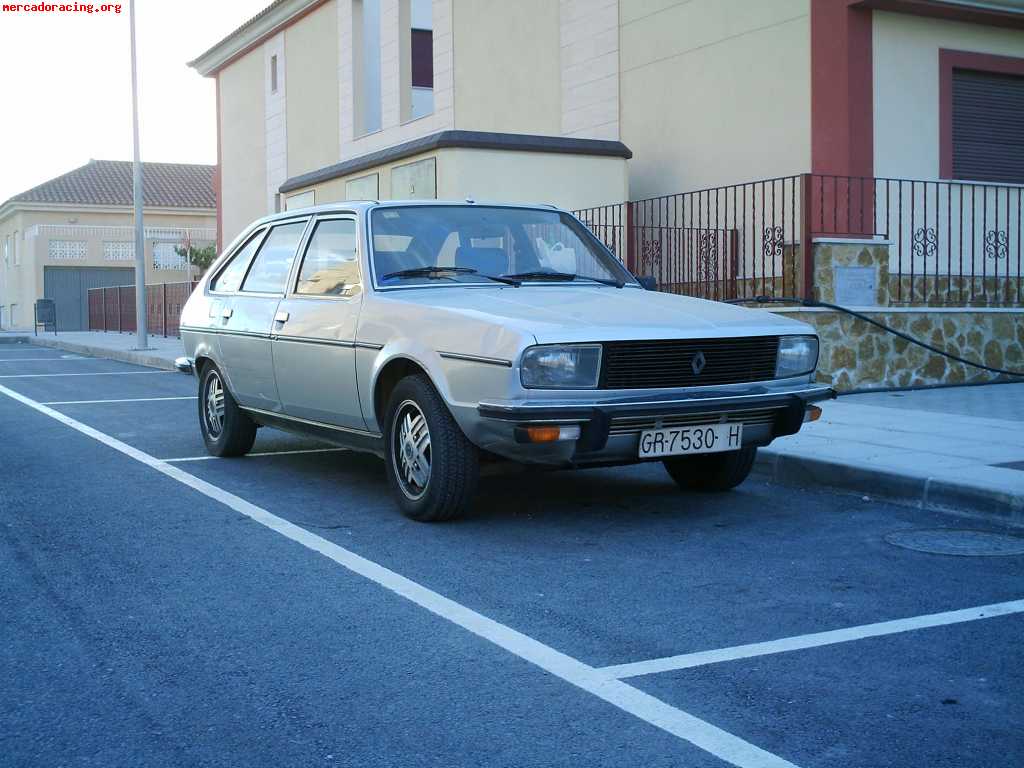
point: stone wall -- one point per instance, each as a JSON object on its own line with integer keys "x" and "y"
{"x": 855, "y": 354}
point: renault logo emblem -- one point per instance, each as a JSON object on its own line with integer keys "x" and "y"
{"x": 697, "y": 363}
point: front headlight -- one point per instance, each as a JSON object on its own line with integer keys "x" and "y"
{"x": 561, "y": 366}
{"x": 797, "y": 355}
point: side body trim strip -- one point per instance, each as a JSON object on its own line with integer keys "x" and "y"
{"x": 476, "y": 359}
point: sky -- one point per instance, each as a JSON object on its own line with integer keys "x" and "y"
{"x": 65, "y": 92}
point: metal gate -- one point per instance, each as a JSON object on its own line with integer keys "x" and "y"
{"x": 68, "y": 285}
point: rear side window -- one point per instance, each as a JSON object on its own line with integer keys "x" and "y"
{"x": 269, "y": 271}
{"x": 330, "y": 267}
{"x": 231, "y": 276}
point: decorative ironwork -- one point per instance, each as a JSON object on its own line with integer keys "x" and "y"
{"x": 650, "y": 256}
{"x": 997, "y": 244}
{"x": 707, "y": 256}
{"x": 926, "y": 242}
{"x": 773, "y": 242}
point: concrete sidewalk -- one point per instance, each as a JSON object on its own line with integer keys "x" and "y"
{"x": 957, "y": 448}
{"x": 113, "y": 346}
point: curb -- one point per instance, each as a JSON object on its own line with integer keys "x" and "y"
{"x": 932, "y": 493}
{"x": 122, "y": 355}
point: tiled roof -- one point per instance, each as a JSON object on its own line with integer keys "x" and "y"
{"x": 109, "y": 182}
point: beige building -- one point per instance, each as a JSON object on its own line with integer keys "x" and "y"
{"x": 76, "y": 232}
{"x": 589, "y": 102}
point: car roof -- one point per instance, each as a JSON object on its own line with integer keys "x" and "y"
{"x": 359, "y": 206}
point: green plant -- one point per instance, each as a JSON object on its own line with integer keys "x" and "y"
{"x": 200, "y": 258}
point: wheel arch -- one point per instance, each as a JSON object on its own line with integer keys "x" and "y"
{"x": 387, "y": 378}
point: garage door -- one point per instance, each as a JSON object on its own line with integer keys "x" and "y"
{"x": 67, "y": 286}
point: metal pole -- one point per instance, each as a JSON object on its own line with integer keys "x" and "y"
{"x": 140, "y": 243}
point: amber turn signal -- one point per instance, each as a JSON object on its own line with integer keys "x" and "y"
{"x": 542, "y": 434}
{"x": 550, "y": 434}
{"x": 813, "y": 413}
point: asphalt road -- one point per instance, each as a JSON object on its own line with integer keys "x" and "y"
{"x": 164, "y": 609}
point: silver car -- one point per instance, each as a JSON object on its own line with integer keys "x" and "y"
{"x": 443, "y": 335}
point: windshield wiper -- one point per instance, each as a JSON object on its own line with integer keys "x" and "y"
{"x": 438, "y": 273}
{"x": 566, "y": 276}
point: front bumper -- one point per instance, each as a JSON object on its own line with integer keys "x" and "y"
{"x": 610, "y": 428}
{"x": 184, "y": 364}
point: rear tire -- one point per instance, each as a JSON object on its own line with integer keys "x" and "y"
{"x": 227, "y": 429}
{"x": 711, "y": 471}
{"x": 432, "y": 467}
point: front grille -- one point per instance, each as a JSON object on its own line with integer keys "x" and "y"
{"x": 669, "y": 363}
{"x": 631, "y": 425}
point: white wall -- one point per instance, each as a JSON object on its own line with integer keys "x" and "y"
{"x": 589, "y": 62}
{"x": 714, "y": 91}
{"x": 275, "y": 120}
{"x": 906, "y": 85}
{"x": 243, "y": 153}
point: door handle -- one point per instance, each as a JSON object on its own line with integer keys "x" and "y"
{"x": 227, "y": 312}
{"x": 281, "y": 317}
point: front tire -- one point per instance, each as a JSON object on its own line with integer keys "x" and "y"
{"x": 227, "y": 429}
{"x": 432, "y": 468}
{"x": 711, "y": 471}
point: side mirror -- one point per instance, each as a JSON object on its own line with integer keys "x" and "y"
{"x": 648, "y": 282}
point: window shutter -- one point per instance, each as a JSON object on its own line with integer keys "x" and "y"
{"x": 988, "y": 129}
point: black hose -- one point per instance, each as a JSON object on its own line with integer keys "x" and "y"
{"x": 883, "y": 326}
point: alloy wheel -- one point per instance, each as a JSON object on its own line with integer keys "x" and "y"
{"x": 411, "y": 447}
{"x": 214, "y": 411}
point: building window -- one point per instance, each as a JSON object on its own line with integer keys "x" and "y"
{"x": 366, "y": 65}
{"x": 417, "y": 58}
{"x": 273, "y": 74}
{"x": 981, "y": 135}
{"x": 166, "y": 257}
{"x": 63, "y": 250}
{"x": 17, "y": 251}
{"x": 7, "y": 251}
{"x": 988, "y": 132}
{"x": 119, "y": 251}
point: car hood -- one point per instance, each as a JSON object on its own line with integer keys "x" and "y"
{"x": 555, "y": 314}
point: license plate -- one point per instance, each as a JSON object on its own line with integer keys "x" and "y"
{"x": 701, "y": 438}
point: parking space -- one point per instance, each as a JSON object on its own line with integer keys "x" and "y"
{"x": 225, "y": 595}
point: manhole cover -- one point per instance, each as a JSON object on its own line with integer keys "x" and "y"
{"x": 952, "y": 541}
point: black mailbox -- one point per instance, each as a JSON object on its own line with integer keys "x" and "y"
{"x": 46, "y": 315}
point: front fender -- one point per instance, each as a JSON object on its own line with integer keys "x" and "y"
{"x": 371, "y": 362}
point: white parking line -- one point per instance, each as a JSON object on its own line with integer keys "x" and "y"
{"x": 100, "y": 373}
{"x": 249, "y": 455}
{"x": 60, "y": 359}
{"x": 654, "y": 711}
{"x": 122, "y": 400}
{"x": 801, "y": 642}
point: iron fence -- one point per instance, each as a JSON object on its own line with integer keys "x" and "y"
{"x": 113, "y": 309}
{"x": 950, "y": 243}
{"x": 719, "y": 243}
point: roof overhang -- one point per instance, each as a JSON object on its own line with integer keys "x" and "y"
{"x": 275, "y": 16}
{"x": 995, "y": 13}
{"x": 509, "y": 142}
{"x": 11, "y": 207}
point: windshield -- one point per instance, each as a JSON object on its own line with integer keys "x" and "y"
{"x": 448, "y": 244}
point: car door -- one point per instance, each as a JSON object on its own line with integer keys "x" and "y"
{"x": 315, "y": 328}
{"x": 248, "y": 317}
